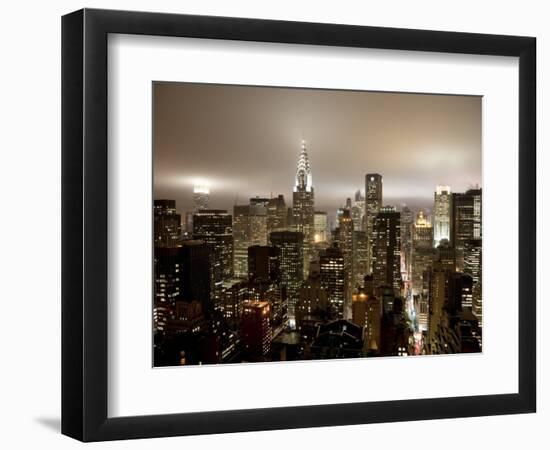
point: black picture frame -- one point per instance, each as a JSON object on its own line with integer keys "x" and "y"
{"x": 84, "y": 224}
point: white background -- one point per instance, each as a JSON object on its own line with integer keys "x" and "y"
{"x": 135, "y": 389}
{"x": 30, "y": 187}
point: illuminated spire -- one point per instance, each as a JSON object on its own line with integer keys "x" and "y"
{"x": 303, "y": 172}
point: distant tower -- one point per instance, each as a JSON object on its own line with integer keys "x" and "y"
{"x": 347, "y": 248}
{"x": 442, "y": 214}
{"x": 303, "y": 205}
{"x": 422, "y": 251}
{"x": 373, "y": 203}
{"x": 201, "y": 196}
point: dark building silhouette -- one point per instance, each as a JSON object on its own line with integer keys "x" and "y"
{"x": 256, "y": 330}
{"x": 167, "y": 223}
{"x": 214, "y": 227}
{"x": 465, "y": 222}
{"x": 387, "y": 248}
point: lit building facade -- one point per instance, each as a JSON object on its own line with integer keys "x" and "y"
{"x": 201, "y": 198}
{"x": 333, "y": 277}
{"x": 291, "y": 260}
{"x": 276, "y": 214}
{"x": 373, "y": 203}
{"x": 442, "y": 214}
{"x": 256, "y": 330}
{"x": 465, "y": 222}
{"x": 214, "y": 227}
{"x": 422, "y": 250}
{"x": 303, "y": 206}
{"x": 167, "y": 223}
{"x": 320, "y": 225}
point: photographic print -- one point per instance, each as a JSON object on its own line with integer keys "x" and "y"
{"x": 309, "y": 224}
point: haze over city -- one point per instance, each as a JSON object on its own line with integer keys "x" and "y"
{"x": 243, "y": 141}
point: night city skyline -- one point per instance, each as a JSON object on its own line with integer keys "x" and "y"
{"x": 213, "y": 134}
{"x": 262, "y": 257}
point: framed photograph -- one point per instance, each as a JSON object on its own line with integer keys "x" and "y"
{"x": 272, "y": 224}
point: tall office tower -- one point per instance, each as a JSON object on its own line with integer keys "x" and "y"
{"x": 320, "y": 225}
{"x": 256, "y": 330}
{"x": 264, "y": 276}
{"x": 257, "y": 223}
{"x": 167, "y": 223}
{"x": 264, "y": 263}
{"x": 333, "y": 276}
{"x": 214, "y": 227}
{"x": 188, "y": 222}
{"x": 407, "y": 222}
{"x": 235, "y": 294}
{"x": 201, "y": 197}
{"x": 459, "y": 292}
{"x": 465, "y": 222}
{"x": 346, "y": 246}
{"x": 442, "y": 214}
{"x": 360, "y": 249}
{"x": 373, "y": 203}
{"x": 445, "y": 253}
{"x": 291, "y": 248}
{"x": 358, "y": 211}
{"x": 303, "y": 206}
{"x": 249, "y": 228}
{"x": 276, "y": 214}
{"x": 422, "y": 250}
{"x": 473, "y": 267}
{"x": 168, "y": 285}
{"x": 437, "y": 299}
{"x": 195, "y": 273}
{"x": 386, "y": 253}
{"x": 241, "y": 240}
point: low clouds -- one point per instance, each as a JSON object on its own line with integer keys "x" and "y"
{"x": 245, "y": 141}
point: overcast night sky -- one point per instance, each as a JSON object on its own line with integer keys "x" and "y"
{"x": 245, "y": 141}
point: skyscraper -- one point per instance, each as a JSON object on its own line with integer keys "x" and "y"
{"x": 214, "y": 227}
{"x": 256, "y": 330}
{"x": 373, "y": 203}
{"x": 333, "y": 277}
{"x": 465, "y": 222}
{"x": 276, "y": 214}
{"x": 407, "y": 221}
{"x": 291, "y": 262}
{"x": 360, "y": 251}
{"x": 347, "y": 248}
{"x": 167, "y": 223}
{"x": 264, "y": 263}
{"x": 320, "y": 224}
{"x": 472, "y": 266}
{"x": 387, "y": 248}
{"x": 201, "y": 196}
{"x": 249, "y": 228}
{"x": 303, "y": 207}
{"x": 442, "y": 214}
{"x": 240, "y": 240}
{"x": 422, "y": 250}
